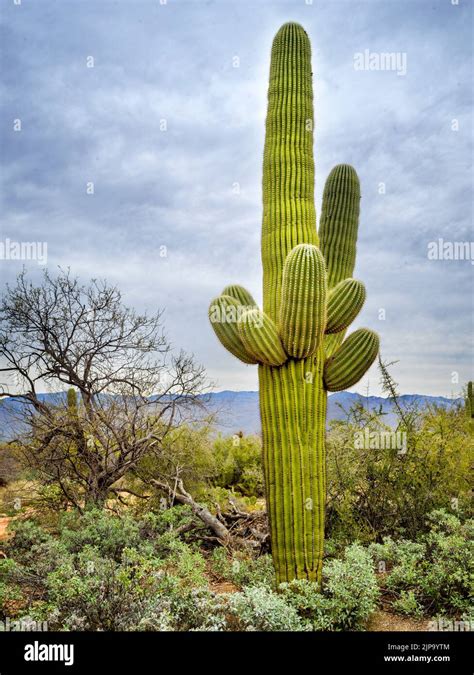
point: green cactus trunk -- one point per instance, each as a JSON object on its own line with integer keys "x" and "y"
{"x": 309, "y": 300}
{"x": 470, "y": 404}
{"x": 293, "y": 414}
{"x": 292, "y": 396}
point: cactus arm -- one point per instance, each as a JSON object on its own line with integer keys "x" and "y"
{"x": 240, "y": 294}
{"x": 224, "y": 312}
{"x": 352, "y": 360}
{"x": 303, "y": 301}
{"x": 345, "y": 301}
{"x": 260, "y": 338}
{"x": 338, "y": 229}
{"x": 339, "y": 222}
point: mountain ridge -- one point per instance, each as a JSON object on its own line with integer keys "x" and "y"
{"x": 236, "y": 411}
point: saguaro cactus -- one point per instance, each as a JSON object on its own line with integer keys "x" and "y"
{"x": 309, "y": 300}
{"x": 72, "y": 400}
{"x": 470, "y": 401}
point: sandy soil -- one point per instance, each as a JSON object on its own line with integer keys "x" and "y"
{"x": 386, "y": 621}
{"x": 4, "y": 520}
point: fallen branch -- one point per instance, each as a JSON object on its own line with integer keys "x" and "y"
{"x": 180, "y": 495}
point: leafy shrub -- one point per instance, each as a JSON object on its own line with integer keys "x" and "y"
{"x": 238, "y": 462}
{"x": 27, "y": 534}
{"x": 436, "y": 573}
{"x": 10, "y": 591}
{"x": 408, "y": 604}
{"x": 185, "y": 563}
{"x": 376, "y": 491}
{"x": 348, "y": 597}
{"x": 107, "y": 533}
{"x": 260, "y": 609}
{"x": 165, "y": 520}
{"x": 107, "y": 573}
{"x": 243, "y": 571}
{"x": 95, "y": 593}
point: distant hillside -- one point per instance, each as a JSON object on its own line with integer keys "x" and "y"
{"x": 238, "y": 410}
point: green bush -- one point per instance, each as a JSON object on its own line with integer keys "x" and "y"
{"x": 434, "y": 574}
{"x": 105, "y": 572}
{"x": 374, "y": 492}
{"x": 408, "y": 604}
{"x": 238, "y": 464}
{"x": 102, "y": 530}
{"x": 95, "y": 593}
{"x": 258, "y": 608}
{"x": 27, "y": 534}
{"x": 10, "y": 590}
{"x": 243, "y": 571}
{"x": 348, "y": 598}
{"x": 349, "y": 594}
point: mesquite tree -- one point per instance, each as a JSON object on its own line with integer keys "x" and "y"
{"x": 309, "y": 300}
{"x": 126, "y": 388}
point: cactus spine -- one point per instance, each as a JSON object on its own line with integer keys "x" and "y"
{"x": 309, "y": 300}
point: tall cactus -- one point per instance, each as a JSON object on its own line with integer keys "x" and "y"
{"x": 72, "y": 400}
{"x": 470, "y": 401}
{"x": 309, "y": 300}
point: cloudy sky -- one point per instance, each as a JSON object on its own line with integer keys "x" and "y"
{"x": 168, "y": 125}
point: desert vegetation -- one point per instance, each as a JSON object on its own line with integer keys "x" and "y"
{"x": 121, "y": 506}
{"x": 181, "y": 541}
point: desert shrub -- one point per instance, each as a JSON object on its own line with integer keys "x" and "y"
{"x": 185, "y": 563}
{"x": 434, "y": 574}
{"x": 85, "y": 591}
{"x": 348, "y": 597}
{"x": 10, "y": 591}
{"x": 27, "y": 534}
{"x": 408, "y": 604}
{"x": 190, "y": 448}
{"x": 100, "y": 563}
{"x": 238, "y": 464}
{"x": 349, "y": 594}
{"x": 109, "y": 534}
{"x": 24, "y": 579}
{"x": 243, "y": 571}
{"x": 89, "y": 592}
{"x": 375, "y": 492}
{"x": 212, "y": 468}
{"x": 198, "y": 609}
{"x": 158, "y": 522}
{"x": 257, "y": 608}
{"x": 10, "y": 467}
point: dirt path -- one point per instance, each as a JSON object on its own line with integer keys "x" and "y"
{"x": 221, "y": 587}
{"x": 4, "y": 521}
{"x": 386, "y": 621}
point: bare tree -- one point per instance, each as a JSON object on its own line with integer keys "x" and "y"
{"x": 131, "y": 388}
